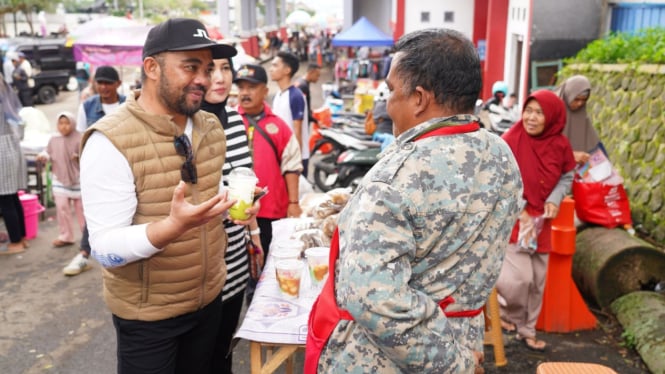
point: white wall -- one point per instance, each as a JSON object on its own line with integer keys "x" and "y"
{"x": 519, "y": 18}
{"x": 462, "y": 11}
{"x": 636, "y": 1}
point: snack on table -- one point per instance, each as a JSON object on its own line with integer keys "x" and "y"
{"x": 329, "y": 225}
{"x": 325, "y": 209}
{"x": 340, "y": 196}
{"x": 307, "y": 223}
{"x": 310, "y": 201}
{"x": 312, "y": 238}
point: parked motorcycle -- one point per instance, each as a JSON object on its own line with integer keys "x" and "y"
{"x": 501, "y": 118}
{"x": 351, "y": 154}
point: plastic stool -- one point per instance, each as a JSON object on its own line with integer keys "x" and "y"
{"x": 572, "y": 368}
{"x": 493, "y": 329}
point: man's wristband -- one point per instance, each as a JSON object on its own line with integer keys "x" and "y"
{"x": 256, "y": 231}
{"x": 294, "y": 202}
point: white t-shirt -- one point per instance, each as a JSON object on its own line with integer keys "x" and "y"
{"x": 109, "y": 203}
{"x": 82, "y": 118}
{"x": 291, "y": 104}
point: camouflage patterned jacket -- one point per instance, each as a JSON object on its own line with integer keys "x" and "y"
{"x": 431, "y": 219}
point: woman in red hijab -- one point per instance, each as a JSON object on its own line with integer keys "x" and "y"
{"x": 546, "y": 162}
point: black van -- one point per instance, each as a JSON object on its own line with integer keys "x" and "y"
{"x": 54, "y": 67}
{"x": 45, "y": 54}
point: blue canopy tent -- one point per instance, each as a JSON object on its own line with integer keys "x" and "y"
{"x": 362, "y": 34}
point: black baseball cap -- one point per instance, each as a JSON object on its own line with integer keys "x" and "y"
{"x": 183, "y": 34}
{"x": 251, "y": 73}
{"x": 106, "y": 74}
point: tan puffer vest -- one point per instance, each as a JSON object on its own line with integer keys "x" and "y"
{"x": 190, "y": 272}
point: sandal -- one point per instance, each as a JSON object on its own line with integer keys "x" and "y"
{"x": 61, "y": 243}
{"x": 532, "y": 343}
{"x": 12, "y": 248}
{"x": 508, "y": 327}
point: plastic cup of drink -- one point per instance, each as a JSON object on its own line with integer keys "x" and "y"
{"x": 317, "y": 262}
{"x": 289, "y": 273}
{"x": 287, "y": 249}
{"x": 241, "y": 183}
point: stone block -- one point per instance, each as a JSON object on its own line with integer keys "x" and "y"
{"x": 660, "y": 156}
{"x": 651, "y": 125}
{"x": 654, "y": 90}
{"x": 656, "y": 109}
{"x": 656, "y": 201}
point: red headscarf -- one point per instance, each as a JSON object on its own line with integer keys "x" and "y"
{"x": 542, "y": 159}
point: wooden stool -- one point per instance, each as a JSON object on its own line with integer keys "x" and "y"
{"x": 572, "y": 368}
{"x": 493, "y": 334}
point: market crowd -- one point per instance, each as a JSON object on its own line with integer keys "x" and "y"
{"x": 417, "y": 249}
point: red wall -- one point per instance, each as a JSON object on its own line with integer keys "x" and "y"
{"x": 399, "y": 20}
{"x": 495, "y": 36}
{"x": 480, "y": 28}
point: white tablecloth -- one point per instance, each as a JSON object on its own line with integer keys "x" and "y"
{"x": 271, "y": 317}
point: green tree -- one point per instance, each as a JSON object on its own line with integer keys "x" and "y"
{"x": 28, "y": 8}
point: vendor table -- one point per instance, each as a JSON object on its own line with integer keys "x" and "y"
{"x": 279, "y": 324}
{"x": 272, "y": 320}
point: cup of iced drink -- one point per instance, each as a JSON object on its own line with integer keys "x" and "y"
{"x": 287, "y": 249}
{"x": 241, "y": 182}
{"x": 288, "y": 274}
{"x": 317, "y": 263}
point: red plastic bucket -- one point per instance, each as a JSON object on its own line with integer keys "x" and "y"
{"x": 31, "y": 210}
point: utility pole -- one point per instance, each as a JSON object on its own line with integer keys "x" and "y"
{"x": 223, "y": 14}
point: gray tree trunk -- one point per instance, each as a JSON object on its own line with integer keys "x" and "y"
{"x": 609, "y": 263}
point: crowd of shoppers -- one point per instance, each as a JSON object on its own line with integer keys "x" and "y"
{"x": 420, "y": 244}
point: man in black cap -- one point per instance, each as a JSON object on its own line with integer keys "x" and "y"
{"x": 150, "y": 175}
{"x": 274, "y": 148}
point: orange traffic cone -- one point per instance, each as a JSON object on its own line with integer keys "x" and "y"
{"x": 564, "y": 309}
{"x": 319, "y": 57}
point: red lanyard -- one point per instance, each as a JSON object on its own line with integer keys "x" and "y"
{"x": 450, "y": 130}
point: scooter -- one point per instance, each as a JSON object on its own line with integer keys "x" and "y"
{"x": 353, "y": 164}
{"x": 501, "y": 118}
{"x": 350, "y": 156}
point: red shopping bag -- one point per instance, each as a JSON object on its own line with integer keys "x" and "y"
{"x": 601, "y": 204}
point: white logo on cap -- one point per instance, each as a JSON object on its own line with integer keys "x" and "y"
{"x": 200, "y": 33}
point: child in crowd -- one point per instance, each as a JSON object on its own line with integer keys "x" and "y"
{"x": 63, "y": 152}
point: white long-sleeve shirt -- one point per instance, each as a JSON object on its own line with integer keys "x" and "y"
{"x": 109, "y": 204}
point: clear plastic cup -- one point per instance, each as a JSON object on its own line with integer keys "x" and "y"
{"x": 289, "y": 273}
{"x": 241, "y": 182}
{"x": 317, "y": 262}
{"x": 288, "y": 249}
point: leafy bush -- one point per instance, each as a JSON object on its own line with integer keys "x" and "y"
{"x": 645, "y": 46}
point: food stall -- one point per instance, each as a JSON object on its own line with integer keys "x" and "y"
{"x": 275, "y": 320}
{"x": 362, "y": 72}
